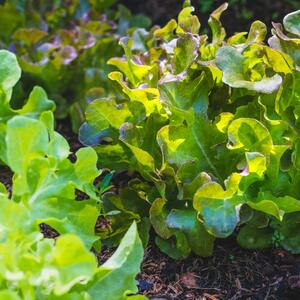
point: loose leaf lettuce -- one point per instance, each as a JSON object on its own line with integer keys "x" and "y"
{"x": 63, "y": 46}
{"x": 43, "y": 191}
{"x": 212, "y": 126}
{"x": 34, "y": 267}
{"x": 44, "y": 181}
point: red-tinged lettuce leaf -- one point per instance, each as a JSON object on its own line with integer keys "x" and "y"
{"x": 284, "y": 43}
{"x": 134, "y": 71}
{"x": 29, "y": 36}
{"x": 146, "y": 98}
{"x": 64, "y": 48}
{"x": 183, "y": 92}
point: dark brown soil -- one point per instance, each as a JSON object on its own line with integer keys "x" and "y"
{"x": 6, "y": 177}
{"x": 48, "y": 231}
{"x": 231, "y": 273}
{"x": 64, "y": 127}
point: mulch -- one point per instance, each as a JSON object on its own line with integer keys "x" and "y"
{"x": 231, "y": 273}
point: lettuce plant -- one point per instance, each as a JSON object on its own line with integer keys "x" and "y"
{"x": 44, "y": 189}
{"x": 34, "y": 267}
{"x": 211, "y": 125}
{"x": 63, "y": 46}
{"x": 36, "y": 104}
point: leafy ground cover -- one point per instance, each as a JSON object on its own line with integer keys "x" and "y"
{"x": 190, "y": 142}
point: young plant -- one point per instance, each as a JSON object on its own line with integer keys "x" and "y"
{"x": 43, "y": 191}
{"x": 212, "y": 128}
{"x": 34, "y": 267}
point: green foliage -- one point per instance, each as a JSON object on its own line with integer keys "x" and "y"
{"x": 208, "y": 126}
{"x": 212, "y": 126}
{"x": 63, "y": 46}
{"x": 34, "y": 267}
{"x": 43, "y": 191}
{"x": 37, "y": 102}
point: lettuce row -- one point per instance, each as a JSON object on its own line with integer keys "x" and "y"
{"x": 63, "y": 46}
{"x": 43, "y": 191}
{"x": 212, "y": 127}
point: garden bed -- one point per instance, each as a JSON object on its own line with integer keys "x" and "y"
{"x": 231, "y": 273}
{"x": 143, "y": 162}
